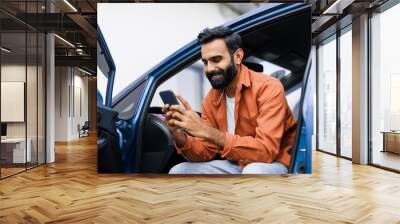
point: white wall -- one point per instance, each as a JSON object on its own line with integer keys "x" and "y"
{"x": 141, "y": 35}
{"x": 61, "y": 103}
{"x": 12, "y": 73}
{"x": 67, "y": 112}
{"x": 80, "y": 83}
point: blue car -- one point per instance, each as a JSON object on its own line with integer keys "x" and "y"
{"x": 133, "y": 137}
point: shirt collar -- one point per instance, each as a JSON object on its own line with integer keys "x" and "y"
{"x": 244, "y": 80}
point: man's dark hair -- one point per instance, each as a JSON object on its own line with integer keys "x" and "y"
{"x": 232, "y": 40}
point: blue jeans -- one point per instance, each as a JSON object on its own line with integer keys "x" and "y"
{"x": 227, "y": 167}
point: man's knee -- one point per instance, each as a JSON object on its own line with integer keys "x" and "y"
{"x": 265, "y": 168}
{"x": 181, "y": 168}
{"x": 210, "y": 167}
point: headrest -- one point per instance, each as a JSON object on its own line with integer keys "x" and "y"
{"x": 254, "y": 66}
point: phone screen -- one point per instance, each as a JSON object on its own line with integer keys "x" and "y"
{"x": 168, "y": 97}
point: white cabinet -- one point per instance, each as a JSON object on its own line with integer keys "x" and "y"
{"x": 19, "y": 155}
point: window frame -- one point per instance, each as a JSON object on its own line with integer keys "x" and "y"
{"x": 379, "y": 10}
{"x": 334, "y": 37}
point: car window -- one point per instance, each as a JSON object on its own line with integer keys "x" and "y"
{"x": 101, "y": 84}
{"x": 127, "y": 106}
{"x": 281, "y": 73}
{"x": 192, "y": 84}
{"x": 105, "y": 69}
{"x": 189, "y": 83}
{"x": 102, "y": 72}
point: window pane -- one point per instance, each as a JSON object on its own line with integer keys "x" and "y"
{"x": 385, "y": 85}
{"x": 102, "y": 84}
{"x": 327, "y": 97}
{"x": 191, "y": 91}
{"x": 346, "y": 94}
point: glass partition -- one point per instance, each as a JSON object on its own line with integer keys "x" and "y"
{"x": 327, "y": 96}
{"x": 31, "y": 98}
{"x": 346, "y": 93}
{"x": 22, "y": 77}
{"x": 13, "y": 94}
{"x": 41, "y": 109}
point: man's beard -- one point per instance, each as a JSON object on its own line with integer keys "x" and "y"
{"x": 225, "y": 76}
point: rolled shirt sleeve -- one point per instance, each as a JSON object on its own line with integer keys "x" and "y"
{"x": 197, "y": 149}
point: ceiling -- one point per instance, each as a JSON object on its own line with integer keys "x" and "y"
{"x": 75, "y": 21}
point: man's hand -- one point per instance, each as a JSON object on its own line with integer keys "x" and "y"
{"x": 166, "y": 110}
{"x": 188, "y": 119}
{"x": 179, "y": 136}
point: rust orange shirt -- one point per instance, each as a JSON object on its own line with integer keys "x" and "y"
{"x": 264, "y": 124}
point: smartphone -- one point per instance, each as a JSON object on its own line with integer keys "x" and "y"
{"x": 168, "y": 97}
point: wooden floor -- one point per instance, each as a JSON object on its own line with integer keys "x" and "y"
{"x": 387, "y": 159}
{"x": 71, "y": 191}
{"x": 10, "y": 171}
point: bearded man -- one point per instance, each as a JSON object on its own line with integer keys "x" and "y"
{"x": 246, "y": 121}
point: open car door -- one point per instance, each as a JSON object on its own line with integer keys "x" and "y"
{"x": 301, "y": 154}
{"x": 108, "y": 149}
